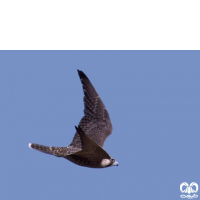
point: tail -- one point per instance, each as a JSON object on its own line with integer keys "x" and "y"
{"x": 56, "y": 151}
{"x": 42, "y": 148}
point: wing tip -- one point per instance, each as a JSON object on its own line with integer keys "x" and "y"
{"x": 81, "y": 74}
{"x": 79, "y": 130}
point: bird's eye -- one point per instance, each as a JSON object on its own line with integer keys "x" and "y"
{"x": 113, "y": 160}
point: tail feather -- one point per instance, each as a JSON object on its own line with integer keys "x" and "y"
{"x": 56, "y": 151}
{"x": 42, "y": 148}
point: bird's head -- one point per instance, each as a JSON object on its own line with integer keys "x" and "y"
{"x": 109, "y": 162}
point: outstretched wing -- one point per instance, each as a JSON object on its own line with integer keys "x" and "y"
{"x": 96, "y": 122}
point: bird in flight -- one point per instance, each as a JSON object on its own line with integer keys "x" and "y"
{"x": 86, "y": 148}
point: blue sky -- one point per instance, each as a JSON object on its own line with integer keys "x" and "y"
{"x": 153, "y": 101}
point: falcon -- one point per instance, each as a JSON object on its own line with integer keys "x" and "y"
{"x": 86, "y": 148}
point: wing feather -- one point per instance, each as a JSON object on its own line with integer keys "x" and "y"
{"x": 96, "y": 121}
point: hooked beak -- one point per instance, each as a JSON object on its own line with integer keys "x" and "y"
{"x": 115, "y": 163}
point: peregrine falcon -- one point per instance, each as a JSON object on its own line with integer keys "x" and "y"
{"x": 86, "y": 148}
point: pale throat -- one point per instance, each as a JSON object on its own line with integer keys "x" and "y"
{"x": 105, "y": 162}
